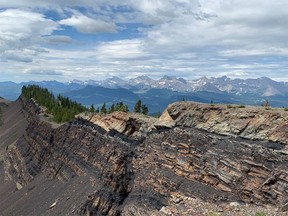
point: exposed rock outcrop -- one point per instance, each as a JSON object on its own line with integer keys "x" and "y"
{"x": 125, "y": 175}
{"x": 254, "y": 123}
{"x": 130, "y": 124}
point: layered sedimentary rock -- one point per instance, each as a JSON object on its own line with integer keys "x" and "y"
{"x": 255, "y": 123}
{"x": 131, "y": 176}
{"x": 134, "y": 125}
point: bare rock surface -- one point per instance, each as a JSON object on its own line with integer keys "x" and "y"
{"x": 130, "y": 124}
{"x": 97, "y": 165}
{"x": 254, "y": 123}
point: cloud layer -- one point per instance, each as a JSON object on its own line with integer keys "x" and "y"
{"x": 189, "y": 38}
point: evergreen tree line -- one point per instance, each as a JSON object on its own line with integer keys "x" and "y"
{"x": 120, "y": 106}
{"x": 141, "y": 108}
{"x": 62, "y": 108}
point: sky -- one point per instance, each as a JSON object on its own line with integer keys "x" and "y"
{"x": 96, "y": 39}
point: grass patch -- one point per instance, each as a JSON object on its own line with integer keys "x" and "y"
{"x": 260, "y": 214}
{"x": 229, "y": 106}
{"x": 241, "y": 106}
{"x": 213, "y": 213}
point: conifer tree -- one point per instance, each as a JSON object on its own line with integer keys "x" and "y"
{"x": 126, "y": 109}
{"x": 145, "y": 110}
{"x": 111, "y": 109}
{"x": 62, "y": 108}
{"x": 103, "y": 109}
{"x": 92, "y": 109}
{"x": 137, "y": 107}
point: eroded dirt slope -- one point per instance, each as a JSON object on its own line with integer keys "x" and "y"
{"x": 13, "y": 124}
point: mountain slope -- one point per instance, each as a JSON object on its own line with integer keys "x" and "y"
{"x": 99, "y": 95}
{"x": 13, "y": 124}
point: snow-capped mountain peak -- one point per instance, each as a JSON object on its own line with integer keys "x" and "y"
{"x": 263, "y": 86}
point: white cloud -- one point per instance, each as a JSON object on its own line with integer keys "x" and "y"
{"x": 255, "y": 52}
{"x": 189, "y": 38}
{"x": 20, "y": 32}
{"x": 85, "y": 24}
{"x": 42, "y": 72}
{"x": 18, "y": 25}
{"x": 121, "y": 50}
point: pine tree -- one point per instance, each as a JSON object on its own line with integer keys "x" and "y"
{"x": 111, "y": 109}
{"x": 103, "y": 109}
{"x": 137, "y": 107}
{"x": 92, "y": 109}
{"x": 145, "y": 110}
{"x": 62, "y": 108}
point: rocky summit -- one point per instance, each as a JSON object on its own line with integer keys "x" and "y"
{"x": 196, "y": 159}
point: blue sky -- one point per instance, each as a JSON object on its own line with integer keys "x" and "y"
{"x": 97, "y": 39}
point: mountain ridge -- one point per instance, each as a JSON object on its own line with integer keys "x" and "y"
{"x": 216, "y": 90}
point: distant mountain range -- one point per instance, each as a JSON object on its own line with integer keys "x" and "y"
{"x": 157, "y": 94}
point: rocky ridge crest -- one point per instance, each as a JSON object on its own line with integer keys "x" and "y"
{"x": 178, "y": 154}
{"x": 255, "y": 123}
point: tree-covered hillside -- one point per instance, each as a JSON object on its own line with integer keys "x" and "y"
{"x": 62, "y": 108}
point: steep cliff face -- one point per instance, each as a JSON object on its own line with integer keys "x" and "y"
{"x": 108, "y": 170}
{"x": 13, "y": 121}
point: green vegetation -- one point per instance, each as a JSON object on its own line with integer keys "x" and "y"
{"x": 213, "y": 213}
{"x": 103, "y": 109}
{"x": 229, "y": 106}
{"x": 144, "y": 109}
{"x": 286, "y": 109}
{"x": 240, "y": 106}
{"x": 62, "y": 108}
{"x": 260, "y": 214}
{"x": 141, "y": 108}
{"x": 120, "y": 106}
{"x": 92, "y": 109}
{"x": 137, "y": 107}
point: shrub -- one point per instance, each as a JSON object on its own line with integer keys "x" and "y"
{"x": 260, "y": 214}
{"x": 241, "y": 106}
{"x": 229, "y": 106}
